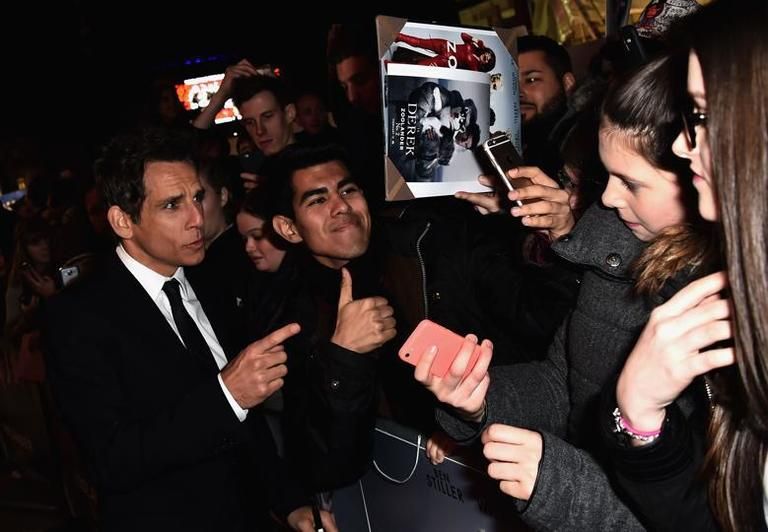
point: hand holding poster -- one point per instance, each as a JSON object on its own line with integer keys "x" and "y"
{"x": 445, "y": 90}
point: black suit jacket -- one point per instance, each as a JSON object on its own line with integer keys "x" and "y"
{"x": 164, "y": 447}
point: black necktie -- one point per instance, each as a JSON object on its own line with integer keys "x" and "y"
{"x": 187, "y": 327}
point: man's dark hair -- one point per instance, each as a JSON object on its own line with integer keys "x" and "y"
{"x": 555, "y": 54}
{"x": 279, "y": 170}
{"x": 349, "y": 40}
{"x": 224, "y": 173}
{"x": 123, "y": 161}
{"x": 243, "y": 89}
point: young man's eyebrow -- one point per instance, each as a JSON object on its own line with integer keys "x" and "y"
{"x": 312, "y": 192}
{"x": 346, "y": 181}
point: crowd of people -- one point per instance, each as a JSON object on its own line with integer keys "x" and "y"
{"x": 221, "y": 363}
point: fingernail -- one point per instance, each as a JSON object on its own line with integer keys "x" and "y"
{"x": 515, "y": 211}
{"x": 432, "y": 350}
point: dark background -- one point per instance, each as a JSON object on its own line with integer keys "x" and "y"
{"x": 80, "y": 70}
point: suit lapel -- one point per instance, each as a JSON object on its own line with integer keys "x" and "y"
{"x": 135, "y": 307}
{"x": 223, "y": 317}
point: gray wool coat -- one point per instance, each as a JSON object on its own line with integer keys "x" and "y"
{"x": 559, "y": 396}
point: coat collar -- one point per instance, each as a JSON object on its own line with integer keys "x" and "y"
{"x": 601, "y": 241}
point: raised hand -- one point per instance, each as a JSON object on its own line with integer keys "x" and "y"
{"x": 549, "y": 207}
{"x": 362, "y": 325}
{"x": 514, "y": 456}
{"x": 258, "y": 371}
{"x": 242, "y": 69}
{"x": 465, "y": 393}
{"x": 207, "y": 116}
{"x": 674, "y": 348}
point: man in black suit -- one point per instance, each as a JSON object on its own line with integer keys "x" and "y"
{"x": 141, "y": 364}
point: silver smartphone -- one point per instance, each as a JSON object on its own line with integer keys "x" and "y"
{"x": 503, "y": 157}
{"x": 67, "y": 275}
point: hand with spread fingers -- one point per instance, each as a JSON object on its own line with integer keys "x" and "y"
{"x": 514, "y": 455}
{"x": 465, "y": 393}
{"x": 546, "y": 206}
{"x": 677, "y": 345}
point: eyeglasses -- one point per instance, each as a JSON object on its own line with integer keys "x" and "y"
{"x": 691, "y": 119}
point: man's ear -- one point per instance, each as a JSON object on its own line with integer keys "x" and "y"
{"x": 285, "y": 227}
{"x": 290, "y": 113}
{"x": 224, "y": 196}
{"x": 569, "y": 81}
{"x": 121, "y": 222}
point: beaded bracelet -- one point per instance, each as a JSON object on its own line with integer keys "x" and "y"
{"x": 623, "y": 426}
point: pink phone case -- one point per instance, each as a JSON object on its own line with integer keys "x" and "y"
{"x": 427, "y": 334}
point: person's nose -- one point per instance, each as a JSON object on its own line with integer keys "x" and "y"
{"x": 613, "y": 196}
{"x": 353, "y": 94}
{"x": 196, "y": 216}
{"x": 681, "y": 147}
{"x": 339, "y": 205}
{"x": 259, "y": 128}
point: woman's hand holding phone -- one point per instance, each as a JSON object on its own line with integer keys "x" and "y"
{"x": 546, "y": 206}
{"x": 464, "y": 391}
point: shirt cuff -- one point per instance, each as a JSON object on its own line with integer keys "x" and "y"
{"x": 236, "y": 408}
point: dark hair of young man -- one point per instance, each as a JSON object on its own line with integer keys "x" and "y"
{"x": 243, "y": 89}
{"x": 279, "y": 170}
{"x": 556, "y": 55}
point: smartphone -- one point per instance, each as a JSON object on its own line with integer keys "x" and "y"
{"x": 251, "y": 161}
{"x": 67, "y": 275}
{"x": 428, "y": 333}
{"x": 504, "y": 157}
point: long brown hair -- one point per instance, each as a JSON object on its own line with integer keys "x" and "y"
{"x": 643, "y": 107}
{"x": 689, "y": 247}
{"x": 731, "y": 42}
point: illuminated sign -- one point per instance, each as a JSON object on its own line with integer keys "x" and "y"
{"x": 196, "y": 93}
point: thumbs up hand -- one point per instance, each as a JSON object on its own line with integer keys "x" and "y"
{"x": 362, "y": 325}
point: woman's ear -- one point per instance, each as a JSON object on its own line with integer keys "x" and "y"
{"x": 285, "y": 227}
{"x": 121, "y": 222}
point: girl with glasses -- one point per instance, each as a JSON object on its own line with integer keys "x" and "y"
{"x": 670, "y": 465}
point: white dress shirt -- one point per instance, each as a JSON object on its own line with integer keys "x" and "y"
{"x": 153, "y": 283}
